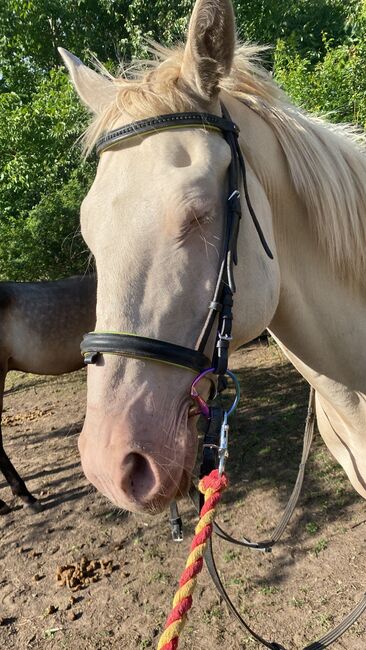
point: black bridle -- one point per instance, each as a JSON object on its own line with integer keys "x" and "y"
{"x": 132, "y": 345}
{"x": 139, "y": 347}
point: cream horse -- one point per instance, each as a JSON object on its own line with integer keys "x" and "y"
{"x": 153, "y": 220}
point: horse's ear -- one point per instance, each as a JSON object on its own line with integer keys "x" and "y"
{"x": 95, "y": 90}
{"x": 209, "y": 50}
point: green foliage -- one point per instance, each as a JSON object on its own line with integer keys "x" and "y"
{"x": 33, "y": 29}
{"x": 42, "y": 176}
{"x": 42, "y": 180}
{"x": 319, "y": 59}
{"x": 334, "y": 86}
{"x": 301, "y": 22}
{"x": 47, "y": 242}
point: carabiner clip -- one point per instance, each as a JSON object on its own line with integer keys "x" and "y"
{"x": 204, "y": 409}
{"x": 222, "y": 451}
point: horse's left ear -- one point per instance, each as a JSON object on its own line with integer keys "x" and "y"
{"x": 209, "y": 50}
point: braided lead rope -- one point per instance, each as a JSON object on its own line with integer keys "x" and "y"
{"x": 211, "y": 487}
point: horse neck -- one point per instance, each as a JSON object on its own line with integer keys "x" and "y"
{"x": 319, "y": 323}
{"x": 320, "y": 316}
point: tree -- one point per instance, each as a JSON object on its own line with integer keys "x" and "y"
{"x": 42, "y": 180}
{"x": 335, "y": 84}
{"x": 319, "y": 59}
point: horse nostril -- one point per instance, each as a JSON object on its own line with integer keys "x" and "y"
{"x": 138, "y": 477}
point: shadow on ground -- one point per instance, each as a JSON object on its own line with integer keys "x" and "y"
{"x": 265, "y": 451}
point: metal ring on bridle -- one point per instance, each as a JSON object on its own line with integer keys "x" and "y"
{"x": 237, "y": 389}
{"x": 205, "y": 410}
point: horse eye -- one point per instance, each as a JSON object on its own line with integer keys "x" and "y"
{"x": 199, "y": 218}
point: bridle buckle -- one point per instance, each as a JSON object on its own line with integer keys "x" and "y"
{"x": 235, "y": 194}
{"x": 225, "y": 337}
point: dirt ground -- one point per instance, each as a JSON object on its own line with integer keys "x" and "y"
{"x": 294, "y": 595}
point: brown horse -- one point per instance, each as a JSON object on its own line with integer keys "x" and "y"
{"x": 41, "y": 327}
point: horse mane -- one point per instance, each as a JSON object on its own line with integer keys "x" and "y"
{"x": 326, "y": 162}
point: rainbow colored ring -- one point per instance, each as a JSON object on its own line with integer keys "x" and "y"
{"x": 204, "y": 408}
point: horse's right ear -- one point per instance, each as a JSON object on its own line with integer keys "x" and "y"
{"x": 95, "y": 90}
{"x": 209, "y": 51}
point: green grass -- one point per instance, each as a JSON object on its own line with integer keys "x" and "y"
{"x": 312, "y": 528}
{"x": 320, "y": 546}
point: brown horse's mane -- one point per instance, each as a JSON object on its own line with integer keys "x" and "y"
{"x": 326, "y": 162}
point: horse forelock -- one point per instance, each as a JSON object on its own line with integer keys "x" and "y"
{"x": 155, "y": 86}
{"x": 326, "y": 162}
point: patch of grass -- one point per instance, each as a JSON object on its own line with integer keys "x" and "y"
{"x": 160, "y": 576}
{"x": 153, "y": 553}
{"x": 268, "y": 590}
{"x": 326, "y": 620}
{"x": 230, "y": 555}
{"x": 320, "y": 546}
{"x": 241, "y": 582}
{"x": 212, "y": 614}
{"x": 311, "y": 528}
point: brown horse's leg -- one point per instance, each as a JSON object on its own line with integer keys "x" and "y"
{"x": 17, "y": 485}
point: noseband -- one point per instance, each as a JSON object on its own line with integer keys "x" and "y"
{"x": 138, "y": 347}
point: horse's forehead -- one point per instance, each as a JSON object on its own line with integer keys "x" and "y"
{"x": 178, "y": 173}
{"x": 155, "y": 157}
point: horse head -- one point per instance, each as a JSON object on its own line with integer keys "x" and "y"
{"x": 154, "y": 221}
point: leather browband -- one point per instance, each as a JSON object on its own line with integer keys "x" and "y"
{"x": 163, "y": 122}
{"x": 141, "y": 347}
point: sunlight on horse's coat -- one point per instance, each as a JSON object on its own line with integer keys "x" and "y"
{"x": 307, "y": 181}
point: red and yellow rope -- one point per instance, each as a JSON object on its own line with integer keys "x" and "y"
{"x": 211, "y": 487}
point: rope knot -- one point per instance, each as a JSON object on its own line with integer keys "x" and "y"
{"x": 213, "y": 482}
